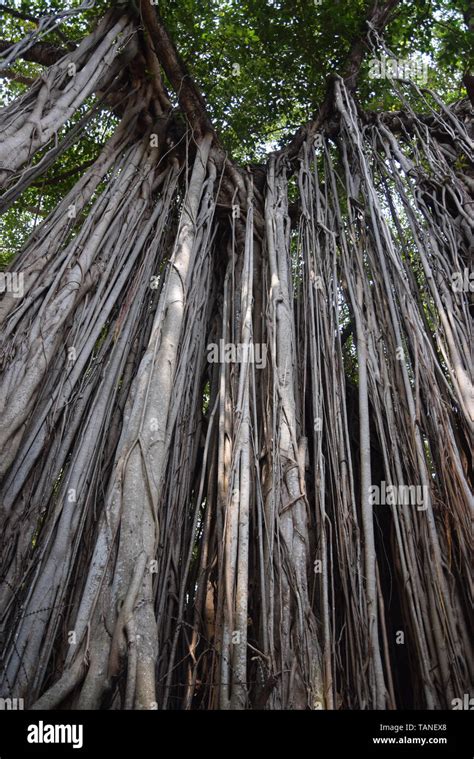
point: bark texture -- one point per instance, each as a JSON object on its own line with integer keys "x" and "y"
{"x": 180, "y": 532}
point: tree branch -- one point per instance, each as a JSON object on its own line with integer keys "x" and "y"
{"x": 18, "y": 14}
{"x": 468, "y": 81}
{"x": 190, "y": 99}
{"x": 377, "y": 17}
{"x": 41, "y": 52}
{"x": 16, "y": 77}
{"x": 65, "y": 175}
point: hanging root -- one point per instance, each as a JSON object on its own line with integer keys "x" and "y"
{"x": 205, "y": 415}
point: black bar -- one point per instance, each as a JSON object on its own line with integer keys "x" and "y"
{"x": 319, "y": 734}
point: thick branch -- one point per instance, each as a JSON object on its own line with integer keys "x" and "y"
{"x": 16, "y": 77}
{"x": 18, "y": 14}
{"x": 190, "y": 99}
{"x": 377, "y": 18}
{"x": 41, "y": 52}
{"x": 468, "y": 81}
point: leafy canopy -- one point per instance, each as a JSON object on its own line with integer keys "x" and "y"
{"x": 262, "y": 66}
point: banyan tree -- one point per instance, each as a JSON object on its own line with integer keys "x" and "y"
{"x": 235, "y": 393}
